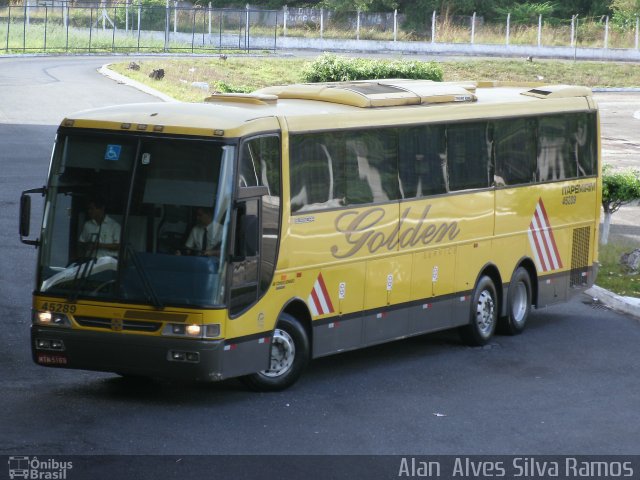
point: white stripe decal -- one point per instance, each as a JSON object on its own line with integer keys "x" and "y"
{"x": 318, "y": 300}
{"x": 324, "y": 308}
{"x": 542, "y": 240}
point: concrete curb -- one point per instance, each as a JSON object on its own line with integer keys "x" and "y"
{"x": 107, "y": 72}
{"x": 626, "y": 305}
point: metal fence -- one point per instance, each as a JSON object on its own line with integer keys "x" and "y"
{"x": 65, "y": 27}
{"x": 596, "y": 32}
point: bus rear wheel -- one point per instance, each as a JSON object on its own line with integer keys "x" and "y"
{"x": 289, "y": 356}
{"x": 484, "y": 314}
{"x": 518, "y": 303}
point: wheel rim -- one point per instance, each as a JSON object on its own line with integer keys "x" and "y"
{"x": 519, "y": 301}
{"x": 283, "y": 352}
{"x": 485, "y": 313}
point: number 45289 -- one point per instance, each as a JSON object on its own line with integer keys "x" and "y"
{"x": 58, "y": 307}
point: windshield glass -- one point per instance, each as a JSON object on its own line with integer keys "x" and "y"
{"x": 137, "y": 219}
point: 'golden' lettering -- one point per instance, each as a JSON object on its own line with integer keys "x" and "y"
{"x": 360, "y": 231}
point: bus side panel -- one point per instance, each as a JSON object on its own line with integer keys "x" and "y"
{"x": 550, "y": 290}
{"x": 432, "y": 281}
{"x": 433, "y": 272}
{"x": 341, "y": 327}
{"x": 555, "y": 221}
{"x": 476, "y": 225}
{"x": 512, "y": 219}
{"x": 433, "y": 315}
{"x": 388, "y": 284}
{"x": 323, "y": 237}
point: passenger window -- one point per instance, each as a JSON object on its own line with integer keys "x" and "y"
{"x": 260, "y": 164}
{"x": 555, "y": 160}
{"x": 468, "y": 153}
{"x": 317, "y": 181}
{"x": 421, "y": 161}
{"x": 331, "y": 170}
{"x": 515, "y": 151}
{"x": 371, "y": 167}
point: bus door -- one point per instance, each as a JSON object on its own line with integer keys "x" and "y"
{"x": 254, "y": 246}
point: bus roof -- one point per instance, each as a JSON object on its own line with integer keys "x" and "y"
{"x": 321, "y": 106}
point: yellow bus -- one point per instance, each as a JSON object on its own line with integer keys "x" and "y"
{"x": 248, "y": 234}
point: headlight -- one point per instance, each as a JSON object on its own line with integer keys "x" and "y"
{"x": 47, "y": 318}
{"x": 191, "y": 331}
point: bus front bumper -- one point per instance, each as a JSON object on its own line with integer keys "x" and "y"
{"x": 151, "y": 356}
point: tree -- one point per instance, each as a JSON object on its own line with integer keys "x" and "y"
{"x": 625, "y": 12}
{"x": 618, "y": 189}
{"x": 362, "y": 5}
{"x": 526, "y": 13}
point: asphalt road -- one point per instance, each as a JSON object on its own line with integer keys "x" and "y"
{"x": 569, "y": 385}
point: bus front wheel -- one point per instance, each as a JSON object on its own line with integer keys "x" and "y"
{"x": 288, "y": 357}
{"x": 484, "y": 314}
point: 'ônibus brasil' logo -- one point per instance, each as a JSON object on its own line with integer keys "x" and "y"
{"x": 542, "y": 240}
{"x": 359, "y": 229}
{"x": 27, "y": 467}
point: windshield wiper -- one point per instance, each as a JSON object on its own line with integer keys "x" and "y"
{"x": 146, "y": 284}
{"x": 84, "y": 265}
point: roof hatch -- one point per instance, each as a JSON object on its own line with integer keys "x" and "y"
{"x": 379, "y": 93}
{"x": 246, "y": 98}
{"x": 558, "y": 91}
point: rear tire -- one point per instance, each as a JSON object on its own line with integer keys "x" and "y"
{"x": 289, "y": 356}
{"x": 483, "y": 315}
{"x": 518, "y": 303}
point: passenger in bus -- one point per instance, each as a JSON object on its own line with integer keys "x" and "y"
{"x": 551, "y": 161}
{"x": 100, "y": 235}
{"x": 205, "y": 236}
{"x": 582, "y": 158}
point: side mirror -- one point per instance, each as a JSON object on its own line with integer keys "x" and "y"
{"x": 25, "y": 215}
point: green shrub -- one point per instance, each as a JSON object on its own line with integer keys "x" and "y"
{"x": 332, "y": 68}
{"x": 224, "y": 87}
{"x": 153, "y": 14}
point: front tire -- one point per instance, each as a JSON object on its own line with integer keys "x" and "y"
{"x": 483, "y": 315}
{"x": 289, "y": 356}
{"x": 518, "y": 303}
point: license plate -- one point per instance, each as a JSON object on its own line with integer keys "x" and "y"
{"x": 52, "y": 359}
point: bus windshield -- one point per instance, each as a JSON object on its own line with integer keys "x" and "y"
{"x": 137, "y": 219}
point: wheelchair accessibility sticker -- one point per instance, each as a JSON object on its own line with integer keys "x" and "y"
{"x": 113, "y": 153}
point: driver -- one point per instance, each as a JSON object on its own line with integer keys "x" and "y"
{"x": 100, "y": 236}
{"x": 204, "y": 238}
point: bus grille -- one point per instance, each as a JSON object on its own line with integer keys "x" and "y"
{"x": 580, "y": 256}
{"x": 124, "y": 325}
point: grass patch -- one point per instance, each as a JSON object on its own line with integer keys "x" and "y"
{"x": 612, "y": 275}
{"x": 237, "y": 74}
{"x": 590, "y": 74}
{"x": 245, "y": 74}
